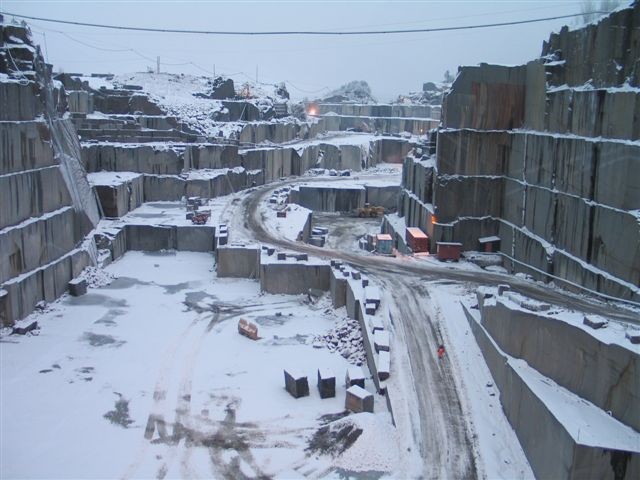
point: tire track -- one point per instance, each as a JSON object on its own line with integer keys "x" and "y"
{"x": 445, "y": 446}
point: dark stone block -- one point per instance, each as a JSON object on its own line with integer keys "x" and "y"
{"x": 78, "y": 287}
{"x": 296, "y": 384}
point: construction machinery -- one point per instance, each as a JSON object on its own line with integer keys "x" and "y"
{"x": 369, "y": 211}
{"x": 200, "y": 217}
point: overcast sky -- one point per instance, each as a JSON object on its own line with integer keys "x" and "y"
{"x": 392, "y": 64}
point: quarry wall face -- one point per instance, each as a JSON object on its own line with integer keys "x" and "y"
{"x": 545, "y": 155}
{"x": 46, "y": 204}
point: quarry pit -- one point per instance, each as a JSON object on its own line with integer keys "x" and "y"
{"x": 141, "y": 232}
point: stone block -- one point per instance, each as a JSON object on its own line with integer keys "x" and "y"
{"x": 355, "y": 376}
{"x": 594, "y": 322}
{"x": 381, "y": 341}
{"x": 77, "y": 287}
{"x": 358, "y": 400}
{"x": 384, "y": 365}
{"x": 326, "y": 383}
{"x": 296, "y": 383}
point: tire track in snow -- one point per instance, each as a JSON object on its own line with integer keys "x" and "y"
{"x": 445, "y": 447}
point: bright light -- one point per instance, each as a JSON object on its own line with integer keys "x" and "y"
{"x": 312, "y": 111}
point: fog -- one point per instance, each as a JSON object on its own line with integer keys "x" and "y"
{"x": 392, "y": 64}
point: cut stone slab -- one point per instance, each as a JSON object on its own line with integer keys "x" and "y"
{"x": 358, "y": 400}
{"x": 326, "y": 383}
{"x": 296, "y": 383}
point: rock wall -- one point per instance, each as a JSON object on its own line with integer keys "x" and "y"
{"x": 608, "y": 375}
{"x": 46, "y": 205}
{"x": 545, "y": 155}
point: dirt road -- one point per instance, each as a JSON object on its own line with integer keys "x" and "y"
{"x": 444, "y": 440}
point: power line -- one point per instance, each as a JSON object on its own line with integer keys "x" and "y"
{"x": 303, "y": 32}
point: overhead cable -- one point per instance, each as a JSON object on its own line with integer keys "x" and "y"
{"x": 301, "y": 32}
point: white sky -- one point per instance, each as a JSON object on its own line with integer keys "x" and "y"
{"x": 392, "y": 64}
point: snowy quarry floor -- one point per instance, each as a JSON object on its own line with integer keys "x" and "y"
{"x": 148, "y": 377}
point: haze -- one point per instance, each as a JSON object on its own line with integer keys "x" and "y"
{"x": 392, "y": 64}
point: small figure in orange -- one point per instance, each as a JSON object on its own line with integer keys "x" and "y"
{"x": 441, "y": 351}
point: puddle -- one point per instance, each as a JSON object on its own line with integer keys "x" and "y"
{"x": 108, "y": 318}
{"x": 178, "y": 287}
{"x": 97, "y": 299}
{"x": 200, "y": 301}
{"x": 99, "y": 340}
{"x": 270, "y": 320}
{"x": 124, "y": 282}
{"x": 295, "y": 340}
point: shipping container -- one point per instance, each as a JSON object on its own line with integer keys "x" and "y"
{"x": 449, "y": 251}
{"x": 384, "y": 244}
{"x": 417, "y": 240}
{"x": 489, "y": 244}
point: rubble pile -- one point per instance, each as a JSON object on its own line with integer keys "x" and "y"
{"x": 346, "y": 339}
{"x": 96, "y": 277}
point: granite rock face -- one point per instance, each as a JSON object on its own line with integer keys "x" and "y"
{"x": 545, "y": 155}
{"x": 46, "y": 205}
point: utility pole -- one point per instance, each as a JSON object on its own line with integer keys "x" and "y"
{"x": 256, "y": 73}
{"x": 214, "y": 69}
{"x": 158, "y": 65}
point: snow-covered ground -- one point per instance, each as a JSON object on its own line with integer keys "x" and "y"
{"x": 148, "y": 377}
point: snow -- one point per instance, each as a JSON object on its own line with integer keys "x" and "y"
{"x": 96, "y": 277}
{"x": 586, "y": 423}
{"x": 161, "y": 342}
{"x": 111, "y": 178}
{"x": 288, "y": 227}
{"x": 499, "y": 451}
{"x": 358, "y": 391}
{"x": 614, "y": 333}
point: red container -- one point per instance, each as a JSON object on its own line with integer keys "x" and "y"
{"x": 417, "y": 240}
{"x": 449, "y": 251}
